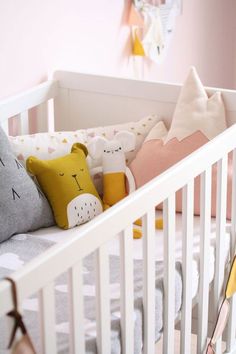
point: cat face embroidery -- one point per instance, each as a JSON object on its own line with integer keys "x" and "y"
{"x": 112, "y": 152}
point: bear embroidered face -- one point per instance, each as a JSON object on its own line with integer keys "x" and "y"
{"x": 68, "y": 186}
{"x": 23, "y": 207}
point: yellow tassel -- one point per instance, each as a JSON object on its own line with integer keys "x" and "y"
{"x": 231, "y": 285}
{"x": 158, "y": 223}
{"x": 137, "y": 233}
{"x": 138, "y": 47}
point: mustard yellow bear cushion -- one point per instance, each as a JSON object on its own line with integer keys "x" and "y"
{"x": 68, "y": 186}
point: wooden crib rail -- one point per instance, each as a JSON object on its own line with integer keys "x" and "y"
{"x": 151, "y": 194}
{"x": 39, "y": 274}
{"x": 119, "y": 100}
{"x": 21, "y": 103}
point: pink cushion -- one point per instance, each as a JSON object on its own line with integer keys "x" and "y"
{"x": 154, "y": 158}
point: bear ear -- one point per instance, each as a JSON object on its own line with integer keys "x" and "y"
{"x": 34, "y": 165}
{"x": 78, "y": 147}
{"x": 96, "y": 147}
{"x": 127, "y": 140}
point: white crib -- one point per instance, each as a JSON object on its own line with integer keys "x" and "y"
{"x": 72, "y": 101}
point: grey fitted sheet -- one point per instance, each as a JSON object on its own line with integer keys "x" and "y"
{"x": 20, "y": 249}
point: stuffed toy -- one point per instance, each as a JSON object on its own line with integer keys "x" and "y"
{"x": 68, "y": 186}
{"x": 115, "y": 171}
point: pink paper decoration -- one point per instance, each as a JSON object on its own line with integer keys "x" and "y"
{"x": 135, "y": 19}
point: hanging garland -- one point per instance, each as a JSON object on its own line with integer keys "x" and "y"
{"x": 151, "y": 27}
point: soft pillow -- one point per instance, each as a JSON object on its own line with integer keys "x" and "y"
{"x": 52, "y": 145}
{"x": 197, "y": 119}
{"x": 112, "y": 153}
{"x": 68, "y": 186}
{"x": 159, "y": 132}
{"x": 196, "y": 112}
{"x": 23, "y": 207}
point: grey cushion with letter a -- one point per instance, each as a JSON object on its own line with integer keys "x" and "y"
{"x": 23, "y": 207}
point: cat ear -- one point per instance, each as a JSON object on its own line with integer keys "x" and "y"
{"x": 77, "y": 147}
{"x": 34, "y": 165}
{"x": 96, "y": 147}
{"x": 127, "y": 139}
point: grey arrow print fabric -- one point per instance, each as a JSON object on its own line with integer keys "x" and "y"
{"x": 17, "y": 251}
{"x": 23, "y": 207}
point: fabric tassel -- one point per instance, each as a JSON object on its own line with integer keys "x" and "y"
{"x": 231, "y": 284}
{"x": 24, "y": 344}
{"x": 137, "y": 46}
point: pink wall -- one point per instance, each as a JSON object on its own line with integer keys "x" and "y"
{"x": 234, "y": 44}
{"x": 37, "y": 36}
{"x": 203, "y": 37}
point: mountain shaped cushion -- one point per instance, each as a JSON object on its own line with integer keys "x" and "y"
{"x": 197, "y": 119}
{"x": 195, "y": 111}
{"x": 23, "y": 206}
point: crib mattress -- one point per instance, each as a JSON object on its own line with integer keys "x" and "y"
{"x": 21, "y": 248}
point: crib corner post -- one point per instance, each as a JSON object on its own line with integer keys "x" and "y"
{"x": 231, "y": 328}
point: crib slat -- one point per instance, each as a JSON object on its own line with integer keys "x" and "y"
{"x": 42, "y": 117}
{"x": 205, "y": 220}
{"x": 231, "y": 329}
{"x": 76, "y": 301}
{"x": 24, "y": 123}
{"x": 187, "y": 259}
{"x": 169, "y": 274}
{"x": 50, "y": 116}
{"x": 127, "y": 290}
{"x": 103, "y": 301}
{"x": 47, "y": 319}
{"x": 148, "y": 229}
{"x": 4, "y": 125}
{"x": 220, "y": 231}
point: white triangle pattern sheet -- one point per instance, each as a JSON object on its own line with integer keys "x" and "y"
{"x": 47, "y": 146}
